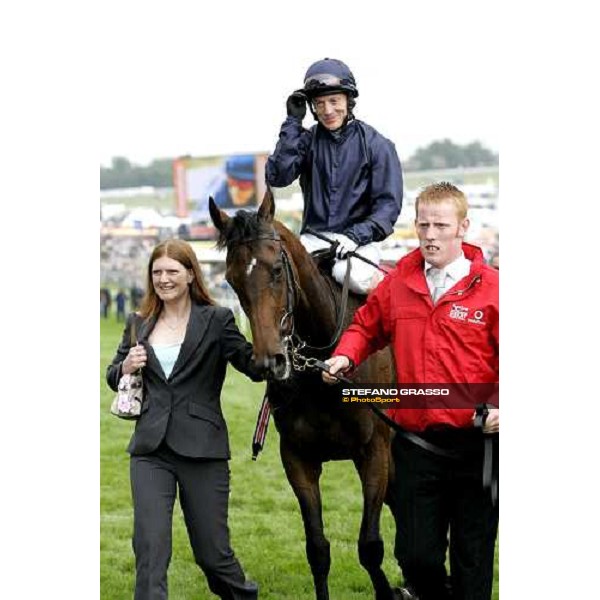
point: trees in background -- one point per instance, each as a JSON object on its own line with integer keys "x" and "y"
{"x": 443, "y": 154}
{"x": 123, "y": 174}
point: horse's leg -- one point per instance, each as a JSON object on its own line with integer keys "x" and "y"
{"x": 304, "y": 479}
{"x": 373, "y": 469}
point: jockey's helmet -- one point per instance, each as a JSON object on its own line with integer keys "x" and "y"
{"x": 329, "y": 76}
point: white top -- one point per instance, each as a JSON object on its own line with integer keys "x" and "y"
{"x": 167, "y": 355}
{"x": 453, "y": 273}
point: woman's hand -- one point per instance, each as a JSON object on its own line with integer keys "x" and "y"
{"x": 135, "y": 359}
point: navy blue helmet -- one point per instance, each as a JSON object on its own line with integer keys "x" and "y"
{"x": 329, "y": 76}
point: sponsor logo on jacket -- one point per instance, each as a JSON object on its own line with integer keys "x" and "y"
{"x": 461, "y": 313}
{"x": 477, "y": 318}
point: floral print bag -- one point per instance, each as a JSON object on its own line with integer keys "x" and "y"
{"x": 127, "y": 404}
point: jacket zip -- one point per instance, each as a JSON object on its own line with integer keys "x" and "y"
{"x": 463, "y": 291}
{"x": 459, "y": 292}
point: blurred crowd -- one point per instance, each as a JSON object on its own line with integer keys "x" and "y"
{"x": 123, "y": 261}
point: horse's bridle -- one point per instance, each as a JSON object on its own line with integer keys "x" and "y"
{"x": 286, "y": 324}
{"x": 291, "y": 293}
{"x": 292, "y": 343}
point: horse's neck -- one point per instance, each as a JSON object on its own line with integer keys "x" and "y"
{"x": 316, "y": 310}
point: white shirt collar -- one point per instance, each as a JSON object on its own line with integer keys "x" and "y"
{"x": 457, "y": 269}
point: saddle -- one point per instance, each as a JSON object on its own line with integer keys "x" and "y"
{"x": 325, "y": 259}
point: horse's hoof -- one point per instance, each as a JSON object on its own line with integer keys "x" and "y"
{"x": 404, "y": 594}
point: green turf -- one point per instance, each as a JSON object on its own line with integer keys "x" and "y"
{"x": 266, "y": 528}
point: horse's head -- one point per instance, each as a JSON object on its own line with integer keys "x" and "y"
{"x": 260, "y": 271}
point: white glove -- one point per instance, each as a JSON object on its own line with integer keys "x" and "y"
{"x": 345, "y": 245}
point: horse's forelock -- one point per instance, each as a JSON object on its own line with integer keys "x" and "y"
{"x": 242, "y": 226}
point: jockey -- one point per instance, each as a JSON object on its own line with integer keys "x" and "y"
{"x": 350, "y": 174}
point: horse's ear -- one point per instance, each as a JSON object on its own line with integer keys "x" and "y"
{"x": 266, "y": 211}
{"x": 219, "y": 218}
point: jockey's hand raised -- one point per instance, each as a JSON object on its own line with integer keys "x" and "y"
{"x": 337, "y": 364}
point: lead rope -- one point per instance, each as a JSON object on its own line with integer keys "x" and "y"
{"x": 490, "y": 477}
{"x": 262, "y": 426}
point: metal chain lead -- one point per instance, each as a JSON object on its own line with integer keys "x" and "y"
{"x": 292, "y": 349}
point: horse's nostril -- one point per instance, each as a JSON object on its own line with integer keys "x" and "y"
{"x": 280, "y": 366}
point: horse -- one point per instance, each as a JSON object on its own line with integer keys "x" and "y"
{"x": 293, "y": 308}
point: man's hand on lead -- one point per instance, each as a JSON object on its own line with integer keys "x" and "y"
{"x": 296, "y": 105}
{"x": 337, "y": 364}
{"x": 492, "y": 422}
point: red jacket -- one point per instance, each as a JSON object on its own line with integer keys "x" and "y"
{"x": 455, "y": 341}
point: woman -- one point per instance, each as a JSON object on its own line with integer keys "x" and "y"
{"x": 180, "y": 440}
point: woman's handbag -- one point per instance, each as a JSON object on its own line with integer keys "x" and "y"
{"x": 127, "y": 404}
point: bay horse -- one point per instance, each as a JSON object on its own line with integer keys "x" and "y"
{"x": 292, "y": 308}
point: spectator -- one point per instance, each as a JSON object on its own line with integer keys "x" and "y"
{"x": 105, "y": 302}
{"x": 136, "y": 295}
{"x": 121, "y": 299}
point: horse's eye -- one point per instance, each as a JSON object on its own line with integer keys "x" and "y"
{"x": 277, "y": 271}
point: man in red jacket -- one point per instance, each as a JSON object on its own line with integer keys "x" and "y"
{"x": 439, "y": 310}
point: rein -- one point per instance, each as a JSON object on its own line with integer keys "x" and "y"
{"x": 340, "y": 316}
{"x": 291, "y": 293}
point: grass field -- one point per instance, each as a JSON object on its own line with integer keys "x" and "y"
{"x": 265, "y": 523}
